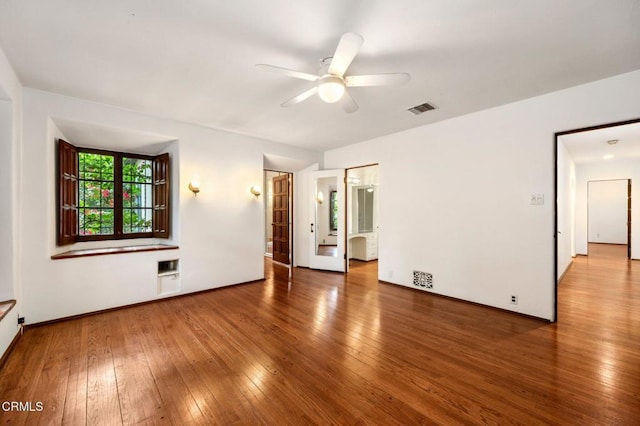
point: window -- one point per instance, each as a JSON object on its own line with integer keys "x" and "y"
{"x": 96, "y": 184}
{"x": 365, "y": 209}
{"x": 333, "y": 210}
{"x": 104, "y": 195}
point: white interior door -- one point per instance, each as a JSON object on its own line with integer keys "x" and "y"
{"x": 607, "y": 211}
{"x": 327, "y": 227}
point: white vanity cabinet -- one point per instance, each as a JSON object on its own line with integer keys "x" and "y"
{"x": 363, "y": 246}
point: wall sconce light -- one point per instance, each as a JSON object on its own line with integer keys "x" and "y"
{"x": 194, "y": 186}
{"x": 320, "y": 197}
{"x": 256, "y": 190}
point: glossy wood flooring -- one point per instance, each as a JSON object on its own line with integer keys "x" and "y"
{"x": 331, "y": 349}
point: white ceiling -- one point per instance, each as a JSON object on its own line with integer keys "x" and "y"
{"x": 194, "y": 60}
{"x": 91, "y": 135}
{"x": 592, "y": 146}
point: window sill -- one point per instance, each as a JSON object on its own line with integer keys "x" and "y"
{"x": 5, "y": 307}
{"x": 112, "y": 250}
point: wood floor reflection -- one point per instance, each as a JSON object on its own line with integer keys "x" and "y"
{"x": 325, "y": 250}
{"x": 617, "y": 251}
{"x": 327, "y": 348}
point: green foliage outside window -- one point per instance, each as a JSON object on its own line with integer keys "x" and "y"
{"x": 97, "y": 204}
{"x": 333, "y": 210}
{"x": 136, "y": 195}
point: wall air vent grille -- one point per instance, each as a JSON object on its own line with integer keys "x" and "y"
{"x": 422, "y": 279}
{"x": 419, "y": 109}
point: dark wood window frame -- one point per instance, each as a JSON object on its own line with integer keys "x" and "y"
{"x": 67, "y": 195}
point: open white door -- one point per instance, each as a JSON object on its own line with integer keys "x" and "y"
{"x": 327, "y": 227}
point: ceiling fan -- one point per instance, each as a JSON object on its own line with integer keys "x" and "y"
{"x": 331, "y": 79}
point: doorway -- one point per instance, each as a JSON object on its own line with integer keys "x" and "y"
{"x": 609, "y": 217}
{"x": 609, "y": 152}
{"x": 362, "y": 199}
{"x": 278, "y": 241}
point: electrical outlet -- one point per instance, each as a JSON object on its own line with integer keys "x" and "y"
{"x": 514, "y": 299}
{"x": 20, "y": 320}
{"x": 391, "y": 274}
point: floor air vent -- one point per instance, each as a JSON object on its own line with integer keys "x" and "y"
{"x": 422, "y": 279}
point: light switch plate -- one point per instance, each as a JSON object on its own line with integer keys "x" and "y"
{"x": 537, "y": 199}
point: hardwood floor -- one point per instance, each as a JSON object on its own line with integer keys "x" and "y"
{"x": 325, "y": 348}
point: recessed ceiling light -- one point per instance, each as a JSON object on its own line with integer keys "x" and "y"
{"x": 612, "y": 141}
{"x": 608, "y": 157}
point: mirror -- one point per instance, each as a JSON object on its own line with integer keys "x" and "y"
{"x": 327, "y": 210}
{"x": 365, "y": 209}
{"x": 362, "y": 202}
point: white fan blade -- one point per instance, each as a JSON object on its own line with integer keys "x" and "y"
{"x": 286, "y": 71}
{"x": 394, "y": 79}
{"x": 301, "y": 97}
{"x": 348, "y": 104}
{"x": 345, "y": 52}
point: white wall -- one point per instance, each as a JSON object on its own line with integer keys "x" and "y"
{"x": 607, "y": 211}
{"x": 607, "y": 170}
{"x": 566, "y": 209}
{"x": 10, "y": 123}
{"x": 6, "y": 214}
{"x": 220, "y": 232}
{"x": 472, "y": 225}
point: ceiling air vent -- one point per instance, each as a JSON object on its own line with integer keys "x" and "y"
{"x": 419, "y": 109}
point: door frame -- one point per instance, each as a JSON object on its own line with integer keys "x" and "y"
{"x": 628, "y": 180}
{"x": 346, "y": 211}
{"x": 555, "y": 197}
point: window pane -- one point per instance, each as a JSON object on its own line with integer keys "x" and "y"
{"x": 106, "y": 224}
{"x": 96, "y": 185}
{"x": 333, "y": 211}
{"x": 126, "y": 195}
{"x": 106, "y": 194}
{"x": 96, "y": 221}
{"x": 365, "y": 209}
{"x": 136, "y": 195}
{"x": 96, "y": 194}
{"x": 95, "y": 166}
{"x": 136, "y": 170}
{"x": 136, "y": 220}
{"x": 88, "y": 194}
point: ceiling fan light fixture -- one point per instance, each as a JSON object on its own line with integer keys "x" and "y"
{"x": 331, "y": 81}
{"x": 331, "y": 89}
